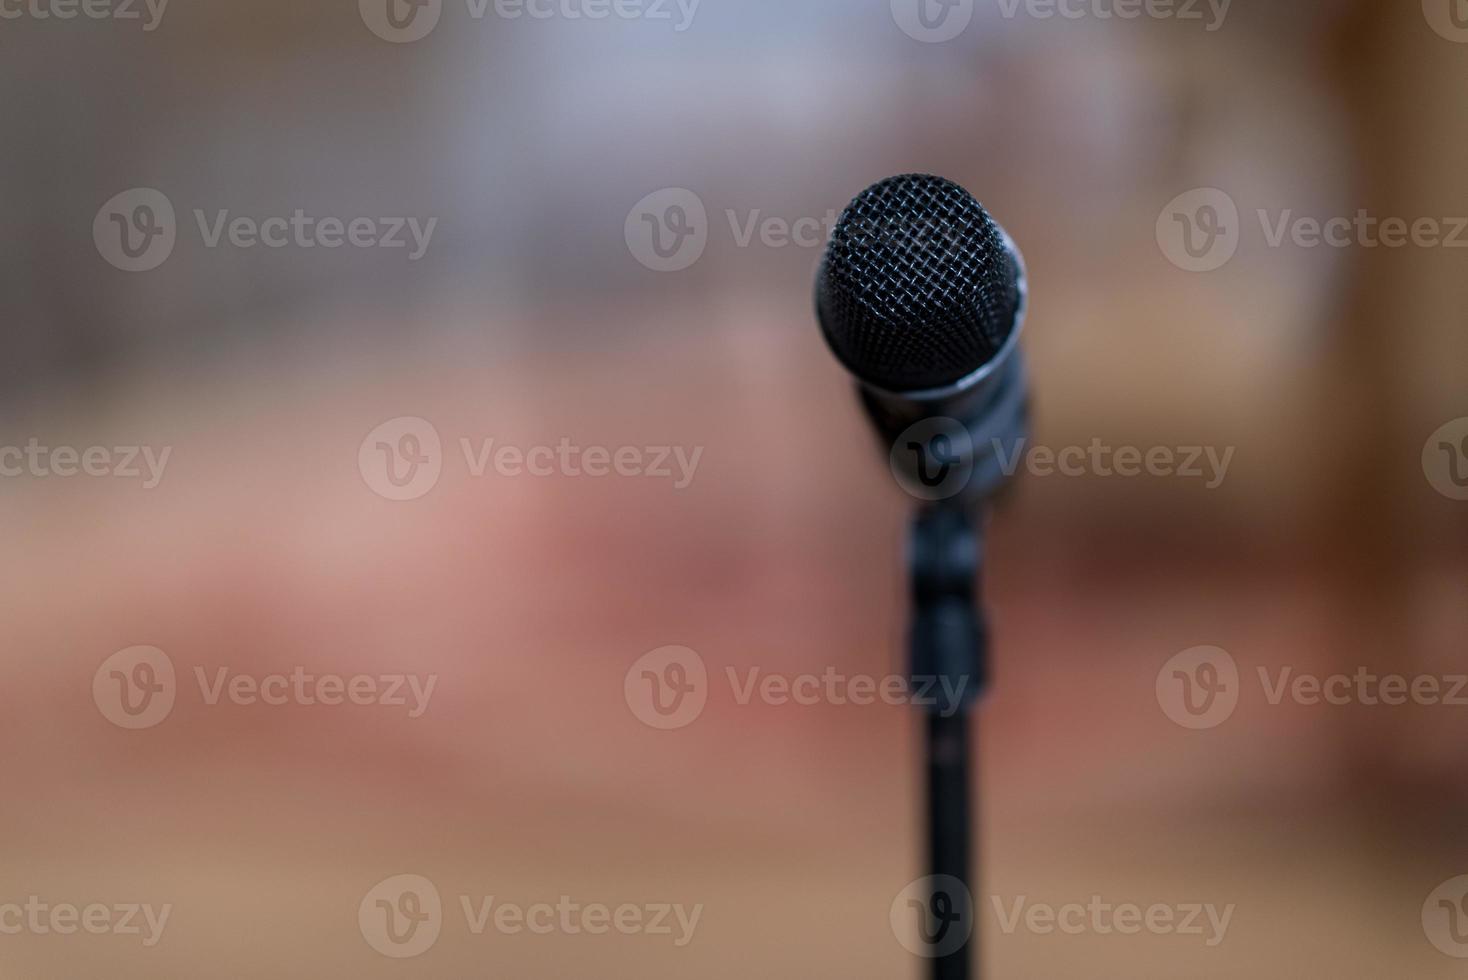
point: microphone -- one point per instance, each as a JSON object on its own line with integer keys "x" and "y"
{"x": 922, "y": 296}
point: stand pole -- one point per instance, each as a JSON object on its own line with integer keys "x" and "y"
{"x": 948, "y": 827}
{"x": 949, "y": 647}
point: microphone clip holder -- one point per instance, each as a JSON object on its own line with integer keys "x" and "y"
{"x": 947, "y": 636}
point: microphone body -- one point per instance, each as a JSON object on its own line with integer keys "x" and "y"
{"x": 991, "y": 406}
{"x": 922, "y": 296}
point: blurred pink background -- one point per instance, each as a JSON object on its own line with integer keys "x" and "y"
{"x": 268, "y": 545}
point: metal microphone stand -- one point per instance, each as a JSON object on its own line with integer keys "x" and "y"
{"x": 948, "y": 638}
{"x": 948, "y": 646}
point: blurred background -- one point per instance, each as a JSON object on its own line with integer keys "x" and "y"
{"x": 536, "y": 151}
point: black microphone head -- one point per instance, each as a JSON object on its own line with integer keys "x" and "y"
{"x": 920, "y": 288}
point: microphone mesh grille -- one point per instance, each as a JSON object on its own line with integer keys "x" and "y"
{"x": 919, "y": 288}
